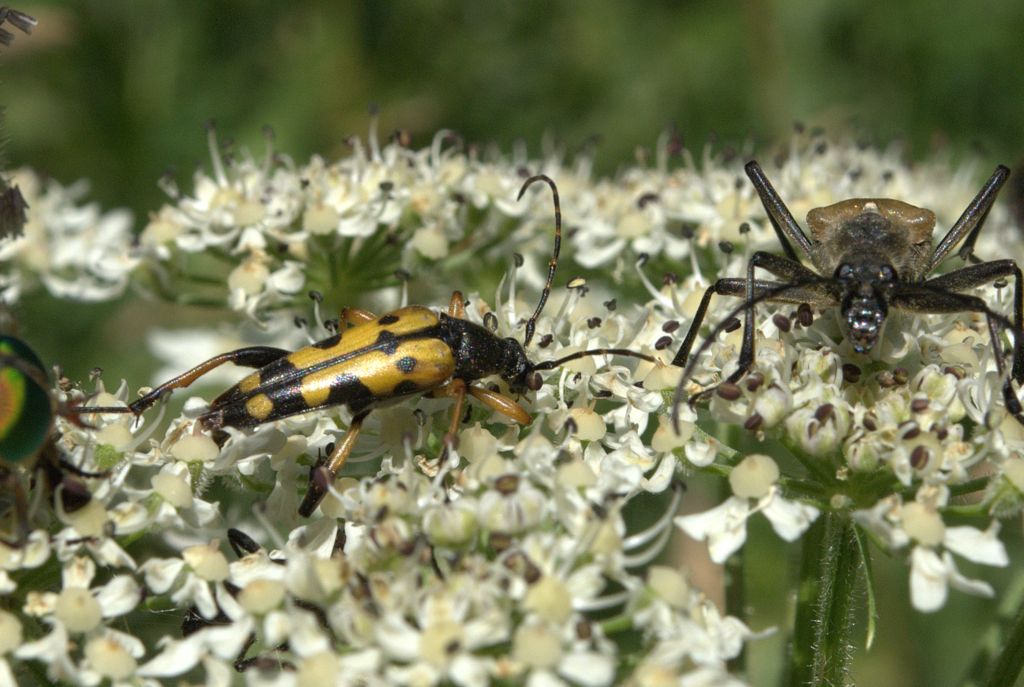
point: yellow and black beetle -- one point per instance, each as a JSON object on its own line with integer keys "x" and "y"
{"x": 412, "y": 350}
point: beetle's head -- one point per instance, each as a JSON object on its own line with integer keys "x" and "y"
{"x": 516, "y": 368}
{"x": 865, "y": 288}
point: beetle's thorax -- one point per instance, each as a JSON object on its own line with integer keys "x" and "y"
{"x": 479, "y": 353}
{"x": 872, "y": 231}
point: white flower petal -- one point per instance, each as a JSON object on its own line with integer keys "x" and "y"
{"x": 927, "y": 580}
{"x": 977, "y": 545}
{"x": 724, "y": 527}
{"x": 587, "y": 668}
{"x": 789, "y": 519}
{"x": 119, "y": 596}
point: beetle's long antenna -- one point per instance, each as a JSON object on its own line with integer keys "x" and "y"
{"x": 531, "y": 324}
{"x": 551, "y": 364}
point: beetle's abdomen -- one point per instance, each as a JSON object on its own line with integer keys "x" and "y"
{"x": 398, "y": 354}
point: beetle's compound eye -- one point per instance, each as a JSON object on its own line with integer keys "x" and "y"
{"x": 534, "y": 381}
{"x": 886, "y": 273}
{"x": 844, "y": 271}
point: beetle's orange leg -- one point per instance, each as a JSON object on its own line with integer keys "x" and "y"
{"x": 457, "y": 306}
{"x": 354, "y": 316}
{"x": 322, "y": 474}
{"x": 500, "y": 403}
{"x": 457, "y": 390}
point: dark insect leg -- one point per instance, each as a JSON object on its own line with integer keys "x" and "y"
{"x": 322, "y": 474}
{"x": 815, "y": 292}
{"x": 241, "y": 543}
{"x": 253, "y": 356}
{"x": 924, "y": 299}
{"x": 779, "y": 215}
{"x": 985, "y": 273}
{"x": 970, "y": 221}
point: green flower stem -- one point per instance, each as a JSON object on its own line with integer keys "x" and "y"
{"x": 736, "y": 600}
{"x": 1010, "y": 661}
{"x": 820, "y": 651}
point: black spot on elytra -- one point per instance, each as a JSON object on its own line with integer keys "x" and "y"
{"x": 328, "y": 342}
{"x": 388, "y": 319}
{"x": 406, "y": 364}
{"x": 347, "y": 389}
{"x": 387, "y": 342}
{"x": 405, "y": 387}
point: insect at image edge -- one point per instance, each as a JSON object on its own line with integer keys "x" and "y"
{"x": 853, "y": 246}
{"x": 28, "y": 437}
{"x": 410, "y": 351}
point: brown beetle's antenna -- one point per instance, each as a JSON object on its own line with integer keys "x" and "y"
{"x": 551, "y": 364}
{"x": 531, "y": 324}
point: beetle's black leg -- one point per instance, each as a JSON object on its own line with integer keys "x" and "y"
{"x": 734, "y": 286}
{"x": 817, "y": 293}
{"x": 241, "y": 543}
{"x": 252, "y": 356}
{"x": 780, "y": 267}
{"x": 970, "y": 221}
{"x": 321, "y": 475}
{"x": 68, "y": 466}
{"x": 779, "y": 215}
{"x": 924, "y": 298}
{"x": 985, "y": 273}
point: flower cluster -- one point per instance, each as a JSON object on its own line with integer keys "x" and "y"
{"x": 505, "y": 552}
{"x": 74, "y": 250}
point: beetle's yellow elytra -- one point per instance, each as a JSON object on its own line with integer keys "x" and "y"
{"x": 259, "y": 406}
{"x": 250, "y": 383}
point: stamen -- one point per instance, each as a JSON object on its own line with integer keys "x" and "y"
{"x": 215, "y": 156}
{"x": 656, "y": 294}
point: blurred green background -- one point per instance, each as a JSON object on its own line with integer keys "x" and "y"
{"x": 116, "y": 91}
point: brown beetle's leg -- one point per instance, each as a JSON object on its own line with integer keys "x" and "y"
{"x": 736, "y": 286}
{"x": 923, "y": 298}
{"x": 457, "y": 306}
{"x": 816, "y": 293}
{"x": 241, "y": 543}
{"x": 985, "y": 273}
{"x": 779, "y": 215}
{"x": 252, "y": 356}
{"x": 970, "y": 221}
{"x": 322, "y": 474}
